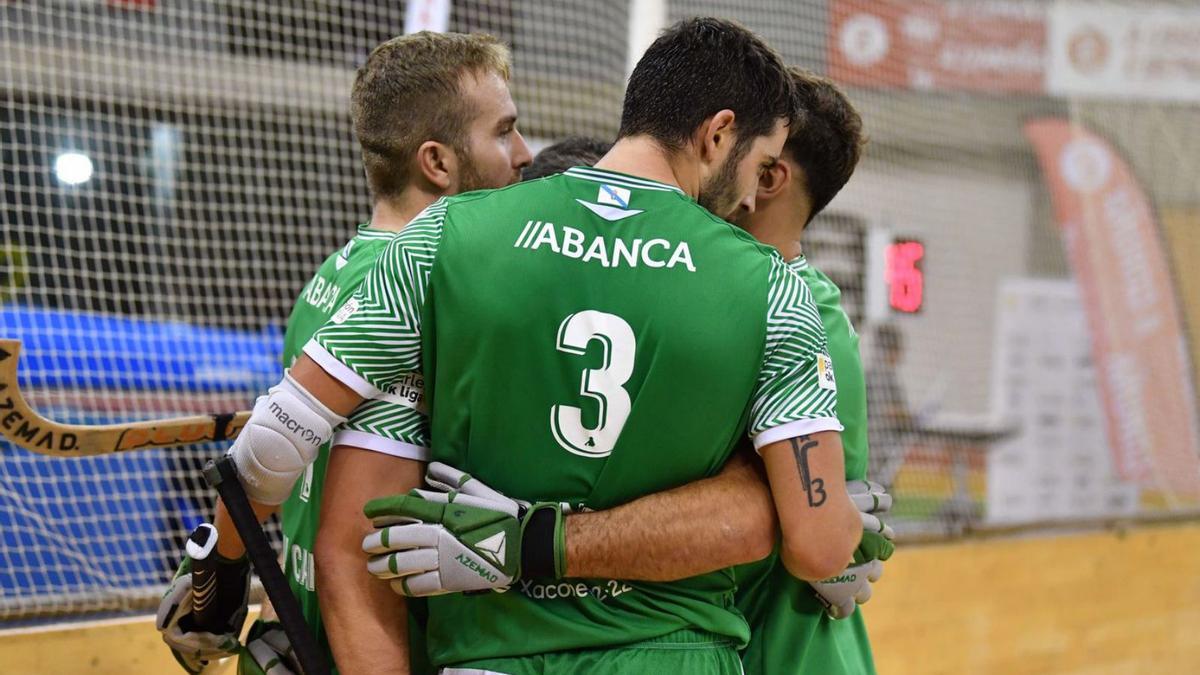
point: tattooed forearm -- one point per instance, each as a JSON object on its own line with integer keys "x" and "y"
{"x": 813, "y": 486}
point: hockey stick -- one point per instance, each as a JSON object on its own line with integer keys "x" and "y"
{"x": 24, "y": 427}
{"x": 222, "y": 475}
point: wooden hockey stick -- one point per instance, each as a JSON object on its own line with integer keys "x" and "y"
{"x": 25, "y": 428}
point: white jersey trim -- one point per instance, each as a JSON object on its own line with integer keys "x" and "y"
{"x": 795, "y": 429}
{"x": 385, "y": 446}
{"x": 339, "y": 371}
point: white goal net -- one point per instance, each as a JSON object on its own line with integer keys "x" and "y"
{"x": 174, "y": 171}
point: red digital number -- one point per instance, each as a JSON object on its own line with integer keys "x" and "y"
{"x": 904, "y": 276}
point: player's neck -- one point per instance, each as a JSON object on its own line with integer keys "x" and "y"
{"x": 780, "y": 223}
{"x": 393, "y": 214}
{"x": 641, "y": 156}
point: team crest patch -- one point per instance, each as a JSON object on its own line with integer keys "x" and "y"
{"x": 614, "y": 196}
{"x": 825, "y": 379}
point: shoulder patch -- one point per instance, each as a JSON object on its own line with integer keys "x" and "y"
{"x": 825, "y": 378}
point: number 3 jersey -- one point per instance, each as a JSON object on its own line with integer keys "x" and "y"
{"x": 586, "y": 338}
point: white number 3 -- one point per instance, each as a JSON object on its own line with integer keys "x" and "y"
{"x": 605, "y": 385}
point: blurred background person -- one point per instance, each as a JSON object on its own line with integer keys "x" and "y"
{"x": 889, "y": 419}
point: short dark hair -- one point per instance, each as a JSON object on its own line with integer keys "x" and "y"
{"x": 827, "y": 140}
{"x": 697, "y": 68}
{"x": 409, "y": 92}
{"x": 569, "y": 152}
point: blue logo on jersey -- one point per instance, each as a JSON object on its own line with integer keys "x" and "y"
{"x": 613, "y": 195}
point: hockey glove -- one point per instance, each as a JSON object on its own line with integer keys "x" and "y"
{"x": 267, "y": 651}
{"x": 191, "y": 647}
{"x": 461, "y": 536}
{"x": 842, "y": 592}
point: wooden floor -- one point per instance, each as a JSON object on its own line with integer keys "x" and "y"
{"x": 1095, "y": 604}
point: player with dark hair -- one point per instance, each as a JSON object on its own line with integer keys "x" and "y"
{"x": 792, "y": 623}
{"x": 569, "y": 152}
{"x": 687, "y": 530}
{"x": 442, "y": 299}
{"x": 590, "y": 296}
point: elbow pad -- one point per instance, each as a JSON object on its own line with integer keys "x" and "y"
{"x": 286, "y": 429}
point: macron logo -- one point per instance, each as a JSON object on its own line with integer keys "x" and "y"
{"x": 615, "y": 196}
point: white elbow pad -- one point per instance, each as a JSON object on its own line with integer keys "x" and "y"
{"x": 280, "y": 440}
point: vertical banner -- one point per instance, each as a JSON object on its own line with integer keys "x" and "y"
{"x": 1112, "y": 241}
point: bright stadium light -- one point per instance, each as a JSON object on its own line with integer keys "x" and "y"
{"x": 73, "y": 168}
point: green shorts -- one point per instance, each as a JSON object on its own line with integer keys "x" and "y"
{"x": 684, "y": 651}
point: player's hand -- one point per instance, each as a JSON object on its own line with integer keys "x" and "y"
{"x": 449, "y": 484}
{"x": 461, "y": 536}
{"x": 267, "y": 651}
{"x": 869, "y": 496}
{"x": 192, "y": 648}
{"x": 878, "y": 540}
{"x": 840, "y": 594}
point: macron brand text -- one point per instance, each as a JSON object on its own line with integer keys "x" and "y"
{"x": 299, "y": 430}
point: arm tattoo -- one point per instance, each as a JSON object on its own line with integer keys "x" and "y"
{"x": 815, "y": 487}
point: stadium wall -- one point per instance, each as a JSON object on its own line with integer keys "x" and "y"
{"x": 1111, "y": 602}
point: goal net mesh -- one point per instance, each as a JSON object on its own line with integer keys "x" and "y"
{"x": 173, "y": 173}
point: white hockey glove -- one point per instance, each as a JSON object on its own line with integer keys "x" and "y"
{"x": 267, "y": 651}
{"x": 461, "y": 536}
{"x": 842, "y": 592}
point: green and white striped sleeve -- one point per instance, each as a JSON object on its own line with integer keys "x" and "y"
{"x": 796, "y": 392}
{"x": 373, "y": 344}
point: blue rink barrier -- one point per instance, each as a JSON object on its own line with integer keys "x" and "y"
{"x": 68, "y": 349}
{"x": 91, "y": 530}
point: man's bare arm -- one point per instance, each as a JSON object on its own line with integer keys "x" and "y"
{"x": 366, "y": 622}
{"x": 820, "y": 525}
{"x": 700, "y": 527}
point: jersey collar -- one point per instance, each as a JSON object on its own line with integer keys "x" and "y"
{"x": 365, "y": 230}
{"x": 621, "y": 179}
{"x": 799, "y": 263}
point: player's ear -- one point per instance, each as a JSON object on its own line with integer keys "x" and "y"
{"x": 773, "y": 181}
{"x": 716, "y": 137}
{"x": 437, "y": 163}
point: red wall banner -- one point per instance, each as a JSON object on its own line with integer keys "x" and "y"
{"x": 935, "y": 45}
{"x": 1112, "y": 240}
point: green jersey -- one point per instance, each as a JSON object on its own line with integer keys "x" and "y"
{"x": 586, "y": 338}
{"x": 333, "y": 284}
{"x": 789, "y": 630}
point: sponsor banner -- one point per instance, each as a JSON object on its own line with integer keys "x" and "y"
{"x": 1135, "y": 52}
{"x": 996, "y": 46}
{"x": 1112, "y": 241}
{"x": 1058, "y": 465}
